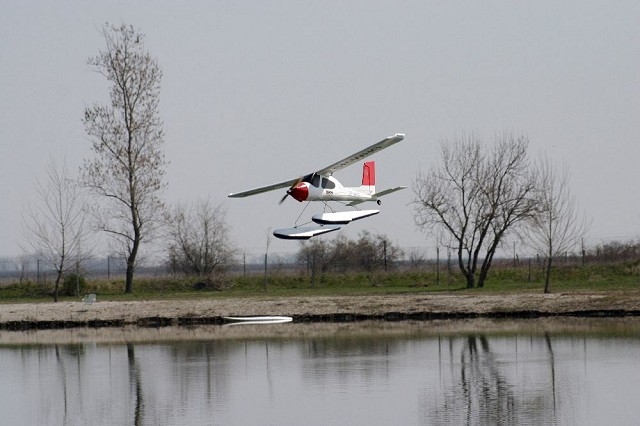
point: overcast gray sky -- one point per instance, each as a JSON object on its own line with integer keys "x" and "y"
{"x": 255, "y": 92}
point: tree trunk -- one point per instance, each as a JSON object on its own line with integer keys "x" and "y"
{"x": 131, "y": 261}
{"x": 481, "y": 279}
{"x": 547, "y": 278}
{"x": 468, "y": 271}
{"x": 470, "y": 280}
{"x": 57, "y": 285}
{"x": 484, "y": 270}
{"x": 128, "y": 287}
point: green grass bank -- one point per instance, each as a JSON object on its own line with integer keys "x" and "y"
{"x": 616, "y": 277}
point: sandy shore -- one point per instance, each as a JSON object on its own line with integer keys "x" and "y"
{"x": 318, "y": 308}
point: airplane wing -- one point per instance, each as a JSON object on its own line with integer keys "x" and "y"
{"x": 262, "y": 189}
{"x": 385, "y": 143}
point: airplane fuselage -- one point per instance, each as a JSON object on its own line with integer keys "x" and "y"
{"x": 319, "y": 188}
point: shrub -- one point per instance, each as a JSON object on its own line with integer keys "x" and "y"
{"x": 216, "y": 282}
{"x": 73, "y": 284}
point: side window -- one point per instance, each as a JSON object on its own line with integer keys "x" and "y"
{"x": 327, "y": 184}
{"x": 315, "y": 180}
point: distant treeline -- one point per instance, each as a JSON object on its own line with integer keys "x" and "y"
{"x": 368, "y": 253}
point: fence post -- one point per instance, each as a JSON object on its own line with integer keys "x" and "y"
{"x": 449, "y": 278}
{"x": 77, "y": 278}
{"x": 438, "y": 265}
{"x": 384, "y": 245}
{"x": 265, "y": 272}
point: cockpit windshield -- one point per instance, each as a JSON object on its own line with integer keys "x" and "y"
{"x": 319, "y": 181}
{"x": 313, "y": 179}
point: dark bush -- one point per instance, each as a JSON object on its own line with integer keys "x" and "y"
{"x": 72, "y": 284}
{"x": 216, "y": 282}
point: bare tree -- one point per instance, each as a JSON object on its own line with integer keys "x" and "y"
{"x": 199, "y": 239}
{"x": 55, "y": 230}
{"x": 314, "y": 255}
{"x": 128, "y": 166}
{"x": 476, "y": 196}
{"x": 374, "y": 252}
{"x": 417, "y": 258}
{"x": 557, "y": 227}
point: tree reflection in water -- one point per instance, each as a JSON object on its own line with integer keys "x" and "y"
{"x": 135, "y": 385}
{"x": 481, "y": 391}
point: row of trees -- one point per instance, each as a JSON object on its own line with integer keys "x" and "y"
{"x": 368, "y": 253}
{"x": 477, "y": 195}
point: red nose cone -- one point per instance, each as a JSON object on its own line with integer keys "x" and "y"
{"x": 300, "y": 192}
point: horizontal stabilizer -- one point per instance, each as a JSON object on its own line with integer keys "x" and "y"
{"x": 304, "y": 233}
{"x": 388, "y": 191}
{"x": 342, "y": 218}
{"x": 378, "y": 195}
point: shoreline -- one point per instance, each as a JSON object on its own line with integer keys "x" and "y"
{"x": 391, "y": 307}
{"x": 546, "y": 326}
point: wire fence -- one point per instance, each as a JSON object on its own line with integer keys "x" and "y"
{"x": 35, "y": 270}
{"x": 441, "y": 260}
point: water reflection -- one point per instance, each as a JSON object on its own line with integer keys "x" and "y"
{"x": 413, "y": 373}
{"x": 481, "y": 388}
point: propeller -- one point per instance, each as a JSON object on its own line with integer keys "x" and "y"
{"x": 296, "y": 183}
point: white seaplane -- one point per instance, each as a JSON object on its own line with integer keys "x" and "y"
{"x": 322, "y": 186}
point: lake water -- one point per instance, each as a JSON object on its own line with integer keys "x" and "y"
{"x": 552, "y": 371}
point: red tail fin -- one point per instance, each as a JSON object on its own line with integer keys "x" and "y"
{"x": 369, "y": 175}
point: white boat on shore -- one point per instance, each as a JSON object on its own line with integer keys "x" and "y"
{"x": 258, "y": 320}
